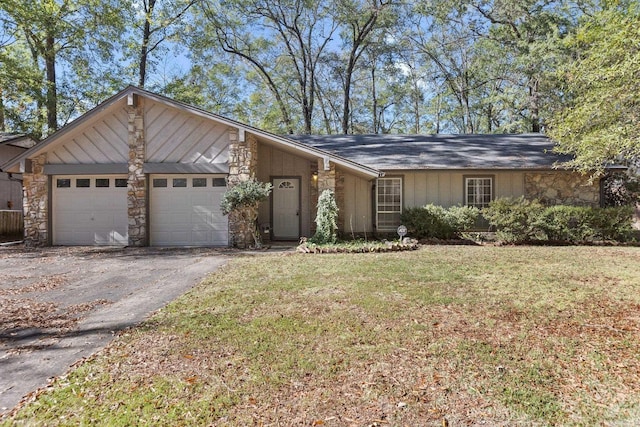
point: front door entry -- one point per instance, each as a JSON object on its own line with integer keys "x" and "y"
{"x": 286, "y": 208}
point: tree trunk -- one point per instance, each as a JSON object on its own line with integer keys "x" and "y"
{"x": 325, "y": 114}
{"x": 346, "y": 109}
{"x": 144, "y": 49}
{"x": 416, "y": 106}
{"x": 374, "y": 109}
{"x": 438, "y": 113}
{"x": 2, "y": 125}
{"x": 52, "y": 94}
{"x": 534, "y": 100}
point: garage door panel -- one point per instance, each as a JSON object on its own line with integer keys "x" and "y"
{"x": 187, "y": 216}
{"x": 105, "y": 201}
{"x": 89, "y": 215}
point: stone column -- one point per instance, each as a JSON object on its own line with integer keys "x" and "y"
{"x": 136, "y": 182}
{"x": 326, "y": 178}
{"x": 332, "y": 179}
{"x": 243, "y": 165}
{"x": 36, "y": 203}
{"x": 243, "y": 157}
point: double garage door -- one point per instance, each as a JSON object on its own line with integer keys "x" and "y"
{"x": 184, "y": 210}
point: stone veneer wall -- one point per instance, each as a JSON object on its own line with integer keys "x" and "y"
{"x": 561, "y": 188}
{"x": 36, "y": 203}
{"x": 136, "y": 182}
{"x": 243, "y": 165}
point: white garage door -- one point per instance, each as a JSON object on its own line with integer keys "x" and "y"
{"x": 185, "y": 210}
{"x": 90, "y": 210}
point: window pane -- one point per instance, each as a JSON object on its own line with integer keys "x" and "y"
{"x": 389, "y": 206}
{"x": 63, "y": 183}
{"x": 121, "y": 182}
{"x": 159, "y": 182}
{"x": 83, "y": 182}
{"x": 199, "y": 182}
{"x": 102, "y": 182}
{"x": 479, "y": 192}
{"x": 179, "y": 182}
{"x": 219, "y": 182}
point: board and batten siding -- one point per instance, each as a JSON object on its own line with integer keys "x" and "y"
{"x": 446, "y": 188}
{"x": 175, "y": 136}
{"x": 358, "y": 209}
{"x": 273, "y": 162}
{"x": 100, "y": 141}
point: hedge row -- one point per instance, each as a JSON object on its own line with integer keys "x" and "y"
{"x": 519, "y": 220}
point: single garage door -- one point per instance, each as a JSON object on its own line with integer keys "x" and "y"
{"x": 184, "y": 210}
{"x": 90, "y": 210}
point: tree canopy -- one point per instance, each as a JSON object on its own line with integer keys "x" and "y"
{"x": 599, "y": 118}
{"x": 344, "y": 66}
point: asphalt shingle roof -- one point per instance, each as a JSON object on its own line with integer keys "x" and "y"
{"x": 405, "y": 152}
{"x": 16, "y": 139}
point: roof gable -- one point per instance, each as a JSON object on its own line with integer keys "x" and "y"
{"x": 101, "y": 140}
{"x": 209, "y": 149}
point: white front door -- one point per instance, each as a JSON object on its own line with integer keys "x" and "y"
{"x": 286, "y": 208}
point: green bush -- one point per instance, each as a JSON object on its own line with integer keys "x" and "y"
{"x": 241, "y": 203}
{"x": 566, "y": 223}
{"x": 326, "y": 219}
{"x": 613, "y": 223}
{"x": 462, "y": 218}
{"x": 244, "y": 194}
{"x": 514, "y": 218}
{"x": 519, "y": 220}
{"x": 433, "y": 221}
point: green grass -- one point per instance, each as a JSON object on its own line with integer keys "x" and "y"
{"x": 494, "y": 335}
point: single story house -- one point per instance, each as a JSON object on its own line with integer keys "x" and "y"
{"x": 11, "y": 146}
{"x": 142, "y": 169}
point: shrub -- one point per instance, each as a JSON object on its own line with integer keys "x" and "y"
{"x": 240, "y": 202}
{"x": 463, "y": 218}
{"x": 244, "y": 194}
{"x": 433, "y": 221}
{"x": 613, "y": 223}
{"x": 519, "y": 220}
{"x": 514, "y": 218}
{"x": 326, "y": 219}
{"x": 621, "y": 189}
{"x": 566, "y": 223}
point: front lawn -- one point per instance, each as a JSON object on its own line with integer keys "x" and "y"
{"x": 466, "y": 334}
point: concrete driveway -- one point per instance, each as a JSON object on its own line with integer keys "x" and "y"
{"x": 60, "y": 305}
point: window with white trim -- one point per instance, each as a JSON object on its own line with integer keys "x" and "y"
{"x": 478, "y": 191}
{"x": 388, "y": 203}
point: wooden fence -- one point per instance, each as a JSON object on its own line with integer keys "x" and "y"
{"x": 11, "y": 223}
